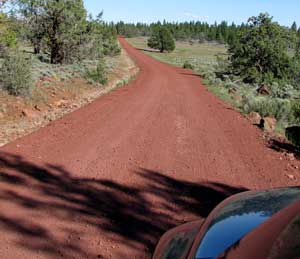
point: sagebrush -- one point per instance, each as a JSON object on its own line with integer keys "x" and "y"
{"x": 99, "y": 74}
{"x": 16, "y": 77}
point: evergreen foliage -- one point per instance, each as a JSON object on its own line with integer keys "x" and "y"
{"x": 61, "y": 23}
{"x": 99, "y": 73}
{"x": 261, "y": 52}
{"x": 294, "y": 27}
{"x": 60, "y": 32}
{"x": 8, "y": 38}
{"x": 62, "y": 28}
{"x": 15, "y": 74}
{"x": 162, "y": 40}
{"x": 195, "y": 31}
{"x": 187, "y": 65}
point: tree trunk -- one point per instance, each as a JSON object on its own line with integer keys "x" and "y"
{"x": 36, "y": 43}
{"x": 57, "y": 56}
{"x": 37, "y": 48}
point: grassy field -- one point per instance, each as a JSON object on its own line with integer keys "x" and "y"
{"x": 199, "y": 55}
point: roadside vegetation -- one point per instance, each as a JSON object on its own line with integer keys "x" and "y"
{"x": 52, "y": 39}
{"x": 54, "y": 59}
{"x": 258, "y": 71}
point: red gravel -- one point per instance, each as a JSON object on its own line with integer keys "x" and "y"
{"x": 107, "y": 180}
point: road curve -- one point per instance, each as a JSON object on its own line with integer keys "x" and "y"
{"x": 108, "y": 179}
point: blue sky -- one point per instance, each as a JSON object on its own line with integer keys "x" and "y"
{"x": 284, "y": 11}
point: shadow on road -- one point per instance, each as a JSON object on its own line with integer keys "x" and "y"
{"x": 148, "y": 50}
{"x": 135, "y": 215}
{"x": 281, "y": 146}
{"x": 191, "y": 74}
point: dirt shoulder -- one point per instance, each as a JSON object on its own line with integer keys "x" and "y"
{"x": 54, "y": 98}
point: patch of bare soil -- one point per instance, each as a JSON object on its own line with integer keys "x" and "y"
{"x": 52, "y": 99}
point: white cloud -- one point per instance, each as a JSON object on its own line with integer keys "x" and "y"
{"x": 195, "y": 16}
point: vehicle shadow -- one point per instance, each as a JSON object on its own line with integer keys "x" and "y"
{"x": 135, "y": 215}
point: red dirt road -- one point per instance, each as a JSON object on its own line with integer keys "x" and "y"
{"x": 107, "y": 180}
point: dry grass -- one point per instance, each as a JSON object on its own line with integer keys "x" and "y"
{"x": 199, "y": 55}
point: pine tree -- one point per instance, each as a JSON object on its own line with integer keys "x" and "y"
{"x": 261, "y": 51}
{"x": 294, "y": 27}
{"x": 162, "y": 40}
{"x": 61, "y": 23}
{"x": 298, "y": 44}
{"x": 35, "y": 25}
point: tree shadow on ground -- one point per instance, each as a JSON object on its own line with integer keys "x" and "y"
{"x": 191, "y": 74}
{"x": 135, "y": 215}
{"x": 281, "y": 146}
{"x": 148, "y": 50}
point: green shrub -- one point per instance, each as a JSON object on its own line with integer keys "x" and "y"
{"x": 265, "y": 106}
{"x": 282, "y": 89}
{"x": 111, "y": 48}
{"x": 99, "y": 74}
{"x": 188, "y": 65}
{"x": 16, "y": 77}
{"x": 218, "y": 82}
{"x": 207, "y": 74}
{"x": 8, "y": 37}
{"x": 296, "y": 111}
{"x": 230, "y": 84}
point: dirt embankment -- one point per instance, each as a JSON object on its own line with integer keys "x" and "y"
{"x": 53, "y": 99}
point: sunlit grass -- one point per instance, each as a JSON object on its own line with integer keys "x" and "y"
{"x": 199, "y": 55}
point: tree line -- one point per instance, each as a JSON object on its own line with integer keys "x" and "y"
{"x": 223, "y": 32}
{"x": 194, "y": 30}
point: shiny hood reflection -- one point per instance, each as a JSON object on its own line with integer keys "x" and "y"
{"x": 238, "y": 217}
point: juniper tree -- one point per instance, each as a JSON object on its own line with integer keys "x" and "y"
{"x": 294, "y": 27}
{"x": 61, "y": 23}
{"x": 261, "y": 51}
{"x": 162, "y": 40}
